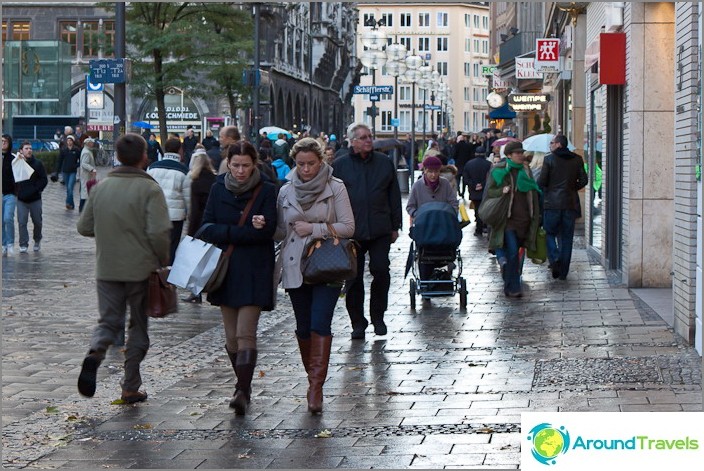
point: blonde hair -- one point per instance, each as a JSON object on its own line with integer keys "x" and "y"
{"x": 537, "y": 162}
{"x": 201, "y": 161}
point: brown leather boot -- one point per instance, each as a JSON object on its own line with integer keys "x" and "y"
{"x": 304, "y": 347}
{"x": 319, "y": 360}
{"x": 244, "y": 368}
{"x": 233, "y": 360}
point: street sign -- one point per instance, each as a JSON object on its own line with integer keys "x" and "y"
{"x": 373, "y": 89}
{"x": 107, "y": 71}
{"x": 374, "y": 97}
{"x": 488, "y": 69}
{"x": 93, "y": 87}
{"x": 395, "y": 122}
{"x": 432, "y": 107}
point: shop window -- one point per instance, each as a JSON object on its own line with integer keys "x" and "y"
{"x": 68, "y": 32}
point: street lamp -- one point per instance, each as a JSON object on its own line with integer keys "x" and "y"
{"x": 425, "y": 84}
{"x": 434, "y": 84}
{"x": 373, "y": 57}
{"x": 413, "y": 75}
{"x": 396, "y": 66}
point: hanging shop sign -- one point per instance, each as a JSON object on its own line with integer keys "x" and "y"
{"x": 547, "y": 55}
{"x": 528, "y": 101}
{"x": 525, "y": 69}
{"x": 497, "y": 82}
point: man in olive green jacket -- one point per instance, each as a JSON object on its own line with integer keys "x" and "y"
{"x": 127, "y": 215}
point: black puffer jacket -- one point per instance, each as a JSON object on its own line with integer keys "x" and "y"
{"x": 30, "y": 190}
{"x": 561, "y": 177}
{"x": 374, "y": 193}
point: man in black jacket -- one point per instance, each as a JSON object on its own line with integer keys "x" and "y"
{"x": 474, "y": 176}
{"x": 561, "y": 177}
{"x": 29, "y": 199}
{"x": 370, "y": 178}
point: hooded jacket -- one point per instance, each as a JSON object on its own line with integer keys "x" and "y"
{"x": 561, "y": 177}
{"x": 172, "y": 177}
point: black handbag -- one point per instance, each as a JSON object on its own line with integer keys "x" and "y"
{"x": 330, "y": 259}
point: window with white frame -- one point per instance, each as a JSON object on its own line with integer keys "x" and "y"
{"x": 442, "y": 19}
{"x": 485, "y": 22}
{"x": 404, "y": 117}
{"x": 422, "y": 94}
{"x": 467, "y": 45}
{"x": 424, "y": 20}
{"x": 467, "y": 120}
{"x": 467, "y": 20}
{"x": 423, "y": 121}
{"x": 485, "y": 93}
{"x": 485, "y": 46}
{"x": 467, "y": 69}
{"x": 475, "y": 68}
{"x": 406, "y": 41}
{"x": 405, "y": 20}
{"x": 368, "y": 17}
{"x": 386, "y": 121}
{"x": 466, "y": 94}
{"x": 424, "y": 44}
{"x": 476, "y": 21}
{"x": 385, "y": 96}
{"x": 475, "y": 94}
{"x": 442, "y": 68}
{"x": 404, "y": 93}
{"x": 442, "y": 43}
{"x": 388, "y": 18}
{"x": 476, "y": 46}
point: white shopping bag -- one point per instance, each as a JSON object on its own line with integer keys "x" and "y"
{"x": 21, "y": 170}
{"x": 194, "y": 264}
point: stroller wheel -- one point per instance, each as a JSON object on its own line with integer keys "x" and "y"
{"x": 413, "y": 294}
{"x": 463, "y": 293}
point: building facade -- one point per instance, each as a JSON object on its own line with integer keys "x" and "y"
{"x": 453, "y": 39}
{"x": 628, "y": 96}
{"x": 307, "y": 69}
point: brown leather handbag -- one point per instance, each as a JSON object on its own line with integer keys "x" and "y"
{"x": 161, "y": 298}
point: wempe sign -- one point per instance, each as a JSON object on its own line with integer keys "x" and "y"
{"x": 528, "y": 101}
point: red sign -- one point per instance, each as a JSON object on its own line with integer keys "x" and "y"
{"x": 547, "y": 55}
{"x": 99, "y": 127}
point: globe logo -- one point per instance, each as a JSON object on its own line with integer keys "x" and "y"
{"x": 548, "y": 442}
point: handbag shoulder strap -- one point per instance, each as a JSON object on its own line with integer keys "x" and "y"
{"x": 250, "y": 203}
{"x": 332, "y": 230}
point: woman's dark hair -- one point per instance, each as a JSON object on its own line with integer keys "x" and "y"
{"x": 242, "y": 148}
{"x": 130, "y": 149}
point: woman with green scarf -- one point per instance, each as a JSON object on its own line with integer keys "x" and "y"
{"x": 517, "y": 226}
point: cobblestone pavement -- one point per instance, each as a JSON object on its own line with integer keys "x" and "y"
{"x": 445, "y": 387}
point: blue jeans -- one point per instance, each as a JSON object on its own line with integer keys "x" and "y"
{"x": 9, "y": 202}
{"x": 70, "y": 181}
{"x": 559, "y": 223}
{"x": 512, "y": 272}
{"x": 314, "y": 306}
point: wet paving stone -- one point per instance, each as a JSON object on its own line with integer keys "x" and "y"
{"x": 445, "y": 387}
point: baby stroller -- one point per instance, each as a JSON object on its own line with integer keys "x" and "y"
{"x": 435, "y": 254}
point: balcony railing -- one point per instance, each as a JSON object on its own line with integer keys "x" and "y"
{"x": 517, "y": 45}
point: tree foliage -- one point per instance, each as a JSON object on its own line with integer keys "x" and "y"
{"x": 184, "y": 45}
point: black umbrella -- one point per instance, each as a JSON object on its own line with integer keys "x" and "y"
{"x": 384, "y": 145}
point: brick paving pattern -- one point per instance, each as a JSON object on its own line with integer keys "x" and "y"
{"x": 445, "y": 387}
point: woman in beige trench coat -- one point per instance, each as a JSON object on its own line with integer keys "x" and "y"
{"x": 307, "y": 204}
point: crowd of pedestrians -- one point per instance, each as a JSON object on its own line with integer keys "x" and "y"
{"x": 245, "y": 199}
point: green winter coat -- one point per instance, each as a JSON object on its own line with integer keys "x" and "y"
{"x": 494, "y": 190}
{"x": 127, "y": 214}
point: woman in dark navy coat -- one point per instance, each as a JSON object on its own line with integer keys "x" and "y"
{"x": 247, "y": 289}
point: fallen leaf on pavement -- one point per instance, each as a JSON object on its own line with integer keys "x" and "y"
{"x": 261, "y": 374}
{"x": 142, "y": 427}
{"x": 52, "y": 409}
{"x": 117, "y": 402}
{"x": 324, "y": 434}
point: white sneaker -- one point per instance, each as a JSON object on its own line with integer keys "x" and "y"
{"x": 4, "y": 251}
{"x": 23, "y": 249}
{"x": 10, "y": 250}
{"x": 37, "y": 246}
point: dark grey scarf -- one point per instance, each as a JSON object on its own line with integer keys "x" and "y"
{"x": 238, "y": 188}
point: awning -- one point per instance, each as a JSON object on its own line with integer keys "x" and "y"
{"x": 503, "y": 112}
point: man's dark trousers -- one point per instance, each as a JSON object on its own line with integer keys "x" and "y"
{"x": 379, "y": 268}
{"x": 559, "y": 223}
